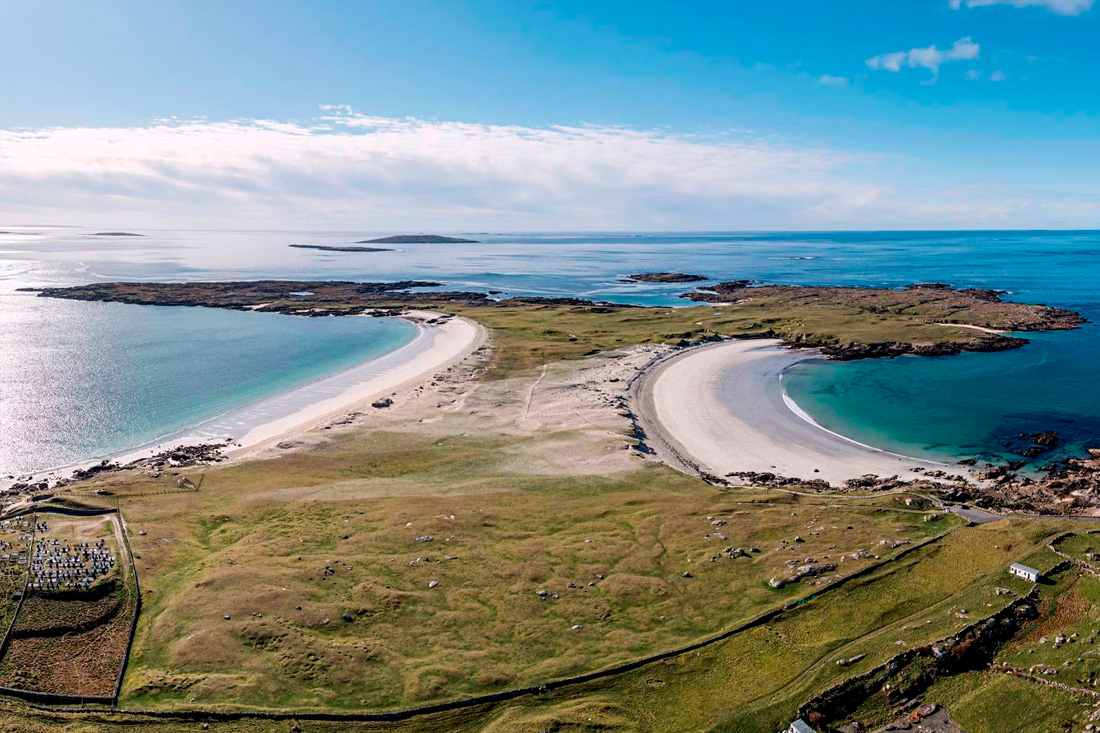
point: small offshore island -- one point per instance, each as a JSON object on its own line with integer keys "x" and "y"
{"x": 327, "y": 248}
{"x": 418, "y": 239}
{"x": 546, "y": 488}
{"x": 664, "y": 277}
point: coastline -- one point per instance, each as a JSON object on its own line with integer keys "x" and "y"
{"x": 441, "y": 341}
{"x": 436, "y": 347}
{"x": 721, "y": 409}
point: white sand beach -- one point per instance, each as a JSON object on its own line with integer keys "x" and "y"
{"x": 722, "y": 408}
{"x": 436, "y": 346}
{"x": 440, "y": 342}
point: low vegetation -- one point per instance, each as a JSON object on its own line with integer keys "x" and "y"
{"x": 337, "y": 599}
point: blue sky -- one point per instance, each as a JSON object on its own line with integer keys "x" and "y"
{"x": 839, "y": 114}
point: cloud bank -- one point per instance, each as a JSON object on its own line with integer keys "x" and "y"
{"x": 350, "y": 171}
{"x": 931, "y": 57}
{"x": 1060, "y": 7}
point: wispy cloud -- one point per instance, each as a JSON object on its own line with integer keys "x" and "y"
{"x": 1061, "y": 7}
{"x": 346, "y": 170}
{"x": 976, "y": 75}
{"x": 930, "y": 58}
{"x": 833, "y": 81}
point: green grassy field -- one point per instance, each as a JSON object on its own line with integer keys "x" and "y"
{"x": 529, "y": 336}
{"x": 265, "y": 544}
{"x": 12, "y": 575}
{"x": 755, "y": 680}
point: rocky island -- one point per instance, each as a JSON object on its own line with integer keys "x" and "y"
{"x": 418, "y": 239}
{"x": 664, "y": 277}
{"x": 327, "y": 248}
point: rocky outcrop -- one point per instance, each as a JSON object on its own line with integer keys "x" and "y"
{"x": 1068, "y": 487}
{"x": 904, "y": 676}
{"x": 806, "y": 570}
{"x": 857, "y": 350}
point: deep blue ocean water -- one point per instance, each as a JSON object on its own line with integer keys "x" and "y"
{"x": 939, "y": 407}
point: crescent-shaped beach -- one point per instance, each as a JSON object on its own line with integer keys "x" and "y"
{"x": 721, "y": 409}
{"x": 439, "y": 343}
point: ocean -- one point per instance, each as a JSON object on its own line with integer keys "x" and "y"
{"x": 81, "y": 380}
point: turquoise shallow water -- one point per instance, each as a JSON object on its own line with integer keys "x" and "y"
{"x": 941, "y": 408}
{"x": 82, "y": 380}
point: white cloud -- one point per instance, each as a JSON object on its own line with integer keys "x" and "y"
{"x": 1060, "y": 7}
{"x": 931, "y": 57}
{"x": 976, "y": 75}
{"x": 350, "y": 171}
{"x": 833, "y": 81}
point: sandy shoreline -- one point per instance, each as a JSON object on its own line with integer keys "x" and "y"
{"x": 722, "y": 408}
{"x": 257, "y": 426}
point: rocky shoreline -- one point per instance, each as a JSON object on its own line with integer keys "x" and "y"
{"x": 180, "y": 456}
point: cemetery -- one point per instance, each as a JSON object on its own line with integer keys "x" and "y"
{"x": 75, "y": 605}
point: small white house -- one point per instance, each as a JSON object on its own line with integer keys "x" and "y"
{"x": 1024, "y": 571}
{"x": 799, "y": 726}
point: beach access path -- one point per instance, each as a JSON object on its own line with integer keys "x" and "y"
{"x": 721, "y": 408}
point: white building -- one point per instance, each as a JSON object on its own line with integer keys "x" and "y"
{"x": 799, "y": 726}
{"x": 1024, "y": 571}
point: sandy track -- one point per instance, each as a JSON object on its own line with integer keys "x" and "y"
{"x": 721, "y": 408}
